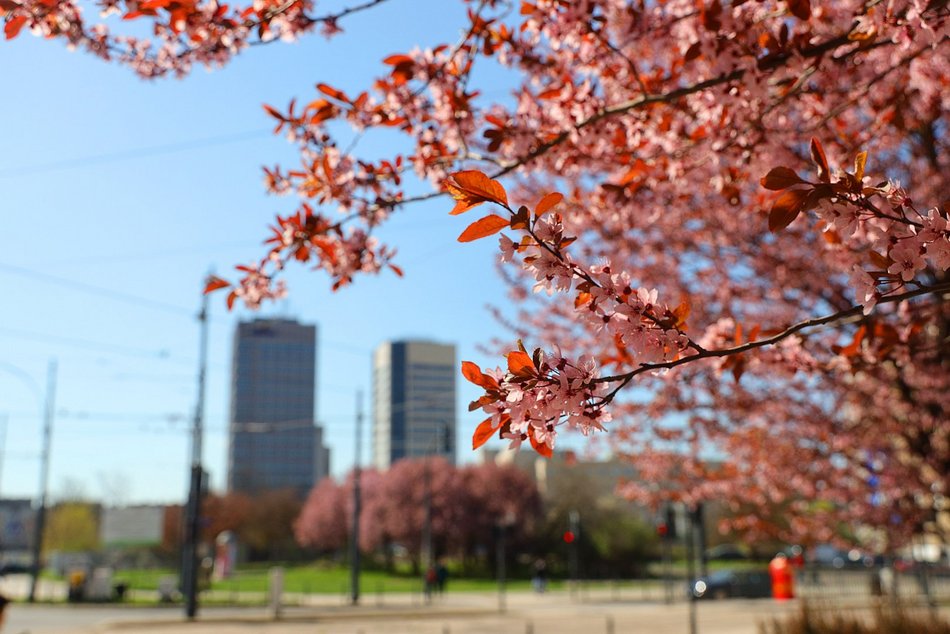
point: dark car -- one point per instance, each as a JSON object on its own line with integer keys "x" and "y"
{"x": 726, "y": 552}
{"x": 14, "y": 568}
{"x": 722, "y": 584}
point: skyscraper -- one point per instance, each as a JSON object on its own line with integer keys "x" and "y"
{"x": 413, "y": 401}
{"x": 274, "y": 440}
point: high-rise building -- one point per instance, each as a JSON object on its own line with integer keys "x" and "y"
{"x": 413, "y": 401}
{"x": 275, "y": 442}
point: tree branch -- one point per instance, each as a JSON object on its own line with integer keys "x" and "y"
{"x": 624, "y": 379}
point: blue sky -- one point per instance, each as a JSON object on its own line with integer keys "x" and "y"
{"x": 119, "y": 195}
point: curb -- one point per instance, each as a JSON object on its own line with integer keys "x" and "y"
{"x": 295, "y": 617}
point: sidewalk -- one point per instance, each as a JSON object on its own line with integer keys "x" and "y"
{"x": 472, "y": 613}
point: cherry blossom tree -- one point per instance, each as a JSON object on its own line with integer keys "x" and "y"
{"x": 466, "y": 507}
{"x": 726, "y": 224}
{"x": 323, "y": 522}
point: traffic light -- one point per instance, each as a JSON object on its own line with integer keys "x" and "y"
{"x": 569, "y": 537}
{"x": 661, "y": 529}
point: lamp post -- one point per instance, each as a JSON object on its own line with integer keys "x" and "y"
{"x": 690, "y": 539}
{"x": 40, "y": 523}
{"x": 574, "y": 523}
{"x": 504, "y": 523}
{"x": 438, "y": 443}
{"x": 354, "y": 538}
{"x": 48, "y": 410}
{"x": 193, "y": 509}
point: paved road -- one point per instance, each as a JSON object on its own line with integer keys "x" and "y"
{"x": 456, "y": 613}
{"x": 462, "y": 613}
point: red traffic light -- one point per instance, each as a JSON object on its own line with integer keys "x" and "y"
{"x": 568, "y": 537}
{"x": 661, "y": 530}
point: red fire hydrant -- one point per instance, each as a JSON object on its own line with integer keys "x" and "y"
{"x": 783, "y": 578}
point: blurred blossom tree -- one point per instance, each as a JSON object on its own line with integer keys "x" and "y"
{"x": 324, "y": 521}
{"x": 465, "y": 509}
{"x": 735, "y": 224}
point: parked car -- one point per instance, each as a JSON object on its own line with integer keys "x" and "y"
{"x": 829, "y": 556}
{"x": 723, "y": 584}
{"x": 14, "y": 568}
{"x": 726, "y": 552}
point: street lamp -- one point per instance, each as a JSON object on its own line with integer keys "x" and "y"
{"x": 357, "y": 506}
{"x": 40, "y": 523}
{"x": 438, "y": 444}
{"x": 195, "y": 490}
{"x": 503, "y": 524}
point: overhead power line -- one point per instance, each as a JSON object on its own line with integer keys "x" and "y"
{"x": 91, "y": 345}
{"x": 145, "y": 302}
{"x": 92, "y": 289}
{"x": 135, "y": 153}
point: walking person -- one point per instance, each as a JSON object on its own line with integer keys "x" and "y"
{"x": 441, "y": 576}
{"x": 540, "y": 579}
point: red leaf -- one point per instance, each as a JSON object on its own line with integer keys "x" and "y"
{"x": 273, "y": 112}
{"x": 520, "y": 219}
{"x": 396, "y": 60}
{"x": 818, "y": 156}
{"x": 215, "y": 283}
{"x": 520, "y": 364}
{"x": 546, "y": 203}
{"x": 471, "y": 371}
{"x": 471, "y": 188}
{"x": 786, "y": 208}
{"x": 483, "y": 432}
{"x": 330, "y": 91}
{"x": 231, "y": 297}
{"x": 12, "y": 28}
{"x": 801, "y": 9}
{"x": 482, "y": 401}
{"x": 396, "y": 270}
{"x": 489, "y": 225}
{"x": 780, "y": 178}
{"x": 475, "y": 375}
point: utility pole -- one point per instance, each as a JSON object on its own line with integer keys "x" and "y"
{"x": 669, "y": 535}
{"x": 435, "y": 446}
{"x": 690, "y": 538}
{"x": 355, "y": 537}
{"x": 189, "y": 581}
{"x": 701, "y": 530}
{"x": 572, "y": 539}
{"x": 40, "y": 526}
{"x": 500, "y": 564}
{"x": 427, "y": 529}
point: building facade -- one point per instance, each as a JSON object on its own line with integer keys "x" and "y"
{"x": 275, "y": 442}
{"x": 413, "y": 401}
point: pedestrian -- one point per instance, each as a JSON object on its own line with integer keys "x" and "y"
{"x": 540, "y": 579}
{"x": 441, "y": 576}
{"x": 431, "y": 579}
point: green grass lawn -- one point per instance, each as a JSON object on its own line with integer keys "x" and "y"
{"x": 323, "y": 579}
